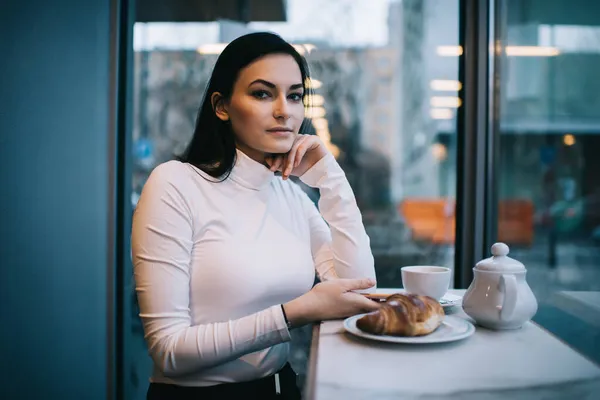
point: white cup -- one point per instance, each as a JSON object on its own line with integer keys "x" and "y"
{"x": 426, "y": 280}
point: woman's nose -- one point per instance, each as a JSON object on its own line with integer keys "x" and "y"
{"x": 281, "y": 109}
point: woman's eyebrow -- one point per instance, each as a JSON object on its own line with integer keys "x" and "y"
{"x": 272, "y": 85}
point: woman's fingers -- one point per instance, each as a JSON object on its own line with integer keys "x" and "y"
{"x": 275, "y": 162}
{"x": 279, "y": 163}
{"x": 300, "y": 152}
{"x": 361, "y": 303}
{"x": 287, "y": 163}
{"x": 269, "y": 160}
{"x": 292, "y": 156}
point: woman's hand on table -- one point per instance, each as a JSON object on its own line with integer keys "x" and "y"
{"x": 332, "y": 299}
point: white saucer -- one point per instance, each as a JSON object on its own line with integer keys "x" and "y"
{"x": 447, "y": 301}
{"x": 450, "y": 300}
{"x": 451, "y": 329}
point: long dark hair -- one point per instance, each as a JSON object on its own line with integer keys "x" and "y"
{"x": 212, "y": 148}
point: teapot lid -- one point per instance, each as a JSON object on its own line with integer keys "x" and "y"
{"x": 500, "y": 262}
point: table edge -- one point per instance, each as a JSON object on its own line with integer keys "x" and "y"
{"x": 310, "y": 385}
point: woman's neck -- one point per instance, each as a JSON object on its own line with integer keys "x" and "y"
{"x": 253, "y": 154}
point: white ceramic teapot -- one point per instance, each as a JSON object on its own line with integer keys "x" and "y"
{"x": 499, "y": 296}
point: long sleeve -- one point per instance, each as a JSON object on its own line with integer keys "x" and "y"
{"x": 340, "y": 247}
{"x": 162, "y": 243}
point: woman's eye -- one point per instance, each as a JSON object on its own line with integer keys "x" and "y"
{"x": 296, "y": 96}
{"x": 260, "y": 94}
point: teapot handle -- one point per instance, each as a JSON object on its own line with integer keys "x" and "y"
{"x": 508, "y": 285}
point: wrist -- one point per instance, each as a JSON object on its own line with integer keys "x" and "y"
{"x": 287, "y": 321}
{"x": 319, "y": 154}
{"x": 297, "y": 312}
{"x": 325, "y": 166}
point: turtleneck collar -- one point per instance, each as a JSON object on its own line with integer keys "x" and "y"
{"x": 249, "y": 173}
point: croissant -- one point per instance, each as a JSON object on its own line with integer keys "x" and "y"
{"x": 403, "y": 315}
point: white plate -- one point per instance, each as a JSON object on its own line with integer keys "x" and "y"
{"x": 451, "y": 329}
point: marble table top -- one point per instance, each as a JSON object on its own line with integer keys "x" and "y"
{"x": 582, "y": 305}
{"x": 528, "y": 363}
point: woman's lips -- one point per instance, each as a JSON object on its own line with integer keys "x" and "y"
{"x": 279, "y": 133}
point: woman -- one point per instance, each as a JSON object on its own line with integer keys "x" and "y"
{"x": 225, "y": 251}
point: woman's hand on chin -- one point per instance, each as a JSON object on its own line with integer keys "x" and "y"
{"x": 306, "y": 151}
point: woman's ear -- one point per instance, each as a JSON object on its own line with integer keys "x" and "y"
{"x": 219, "y": 106}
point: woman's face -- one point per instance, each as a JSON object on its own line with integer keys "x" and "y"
{"x": 266, "y": 108}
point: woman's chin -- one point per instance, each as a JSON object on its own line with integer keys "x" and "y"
{"x": 280, "y": 147}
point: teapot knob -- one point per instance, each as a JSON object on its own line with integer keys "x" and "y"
{"x": 500, "y": 249}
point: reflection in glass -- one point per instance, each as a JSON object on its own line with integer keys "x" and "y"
{"x": 549, "y": 205}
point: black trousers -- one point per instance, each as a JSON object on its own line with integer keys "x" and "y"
{"x": 260, "y": 389}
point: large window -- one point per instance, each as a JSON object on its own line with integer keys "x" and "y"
{"x": 386, "y": 96}
{"x": 548, "y": 165}
{"x": 387, "y": 93}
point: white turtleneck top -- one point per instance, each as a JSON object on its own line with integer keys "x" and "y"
{"x": 214, "y": 261}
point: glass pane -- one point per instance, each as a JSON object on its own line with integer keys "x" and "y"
{"x": 549, "y": 206}
{"x": 385, "y": 79}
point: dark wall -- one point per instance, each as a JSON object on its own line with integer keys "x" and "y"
{"x": 56, "y": 199}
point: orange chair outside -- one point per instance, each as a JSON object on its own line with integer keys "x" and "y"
{"x": 515, "y": 221}
{"x": 429, "y": 219}
{"x": 434, "y": 220}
